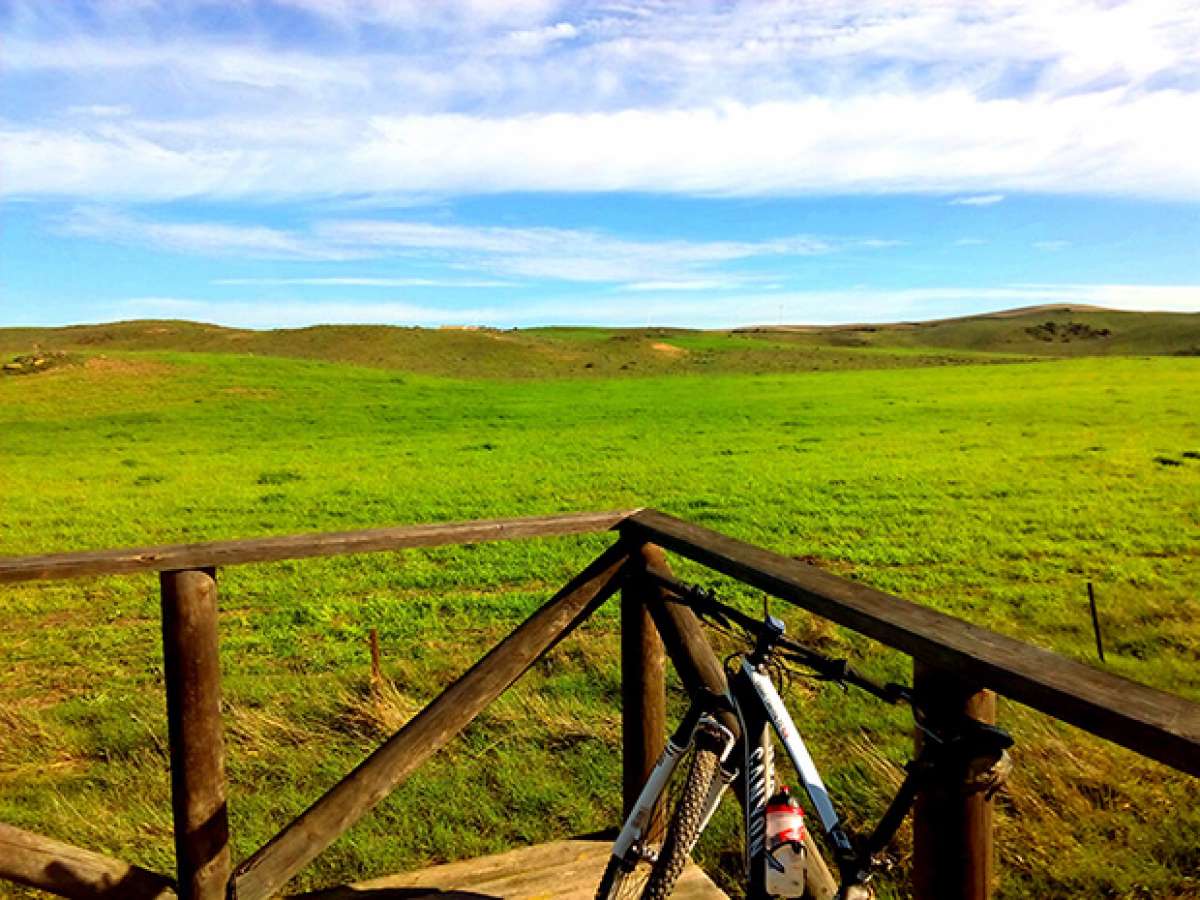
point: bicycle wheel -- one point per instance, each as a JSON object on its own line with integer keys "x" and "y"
{"x": 625, "y": 878}
{"x": 684, "y": 828}
{"x": 622, "y": 881}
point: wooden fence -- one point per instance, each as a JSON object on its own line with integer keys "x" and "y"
{"x": 957, "y": 666}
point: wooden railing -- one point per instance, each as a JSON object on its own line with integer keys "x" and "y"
{"x": 957, "y": 666}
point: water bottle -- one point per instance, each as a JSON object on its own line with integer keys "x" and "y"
{"x": 786, "y": 853}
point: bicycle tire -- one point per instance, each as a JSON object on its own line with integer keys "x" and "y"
{"x": 625, "y": 879}
{"x": 684, "y": 827}
{"x": 620, "y": 882}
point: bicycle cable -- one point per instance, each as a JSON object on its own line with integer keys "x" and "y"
{"x": 741, "y": 626}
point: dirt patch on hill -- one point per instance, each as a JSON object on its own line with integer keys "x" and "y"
{"x": 669, "y": 349}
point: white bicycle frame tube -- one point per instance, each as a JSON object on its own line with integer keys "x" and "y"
{"x": 636, "y": 824}
{"x": 781, "y": 721}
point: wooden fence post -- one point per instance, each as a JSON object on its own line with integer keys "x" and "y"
{"x": 643, "y": 685}
{"x": 193, "y": 687}
{"x": 952, "y": 823}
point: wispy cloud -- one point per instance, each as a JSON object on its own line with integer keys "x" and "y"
{"x": 941, "y": 142}
{"x": 367, "y": 281}
{"x": 785, "y": 98}
{"x": 969, "y": 242}
{"x": 562, "y": 254}
{"x": 203, "y": 238}
{"x": 594, "y": 52}
{"x": 702, "y": 284}
{"x": 348, "y": 116}
{"x": 978, "y": 200}
{"x": 724, "y": 311}
{"x": 99, "y": 111}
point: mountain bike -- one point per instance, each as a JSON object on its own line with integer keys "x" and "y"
{"x": 729, "y": 738}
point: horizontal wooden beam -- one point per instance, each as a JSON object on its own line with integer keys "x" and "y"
{"x": 1155, "y": 724}
{"x": 268, "y": 870}
{"x": 297, "y": 546}
{"x": 66, "y": 871}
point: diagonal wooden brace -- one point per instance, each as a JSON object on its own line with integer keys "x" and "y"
{"x": 264, "y": 873}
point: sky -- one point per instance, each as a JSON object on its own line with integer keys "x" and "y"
{"x": 529, "y": 162}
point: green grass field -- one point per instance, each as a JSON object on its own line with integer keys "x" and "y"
{"x": 993, "y": 492}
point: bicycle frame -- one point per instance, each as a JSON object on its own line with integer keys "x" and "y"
{"x": 759, "y": 710}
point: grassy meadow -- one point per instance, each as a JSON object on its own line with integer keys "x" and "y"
{"x": 993, "y": 492}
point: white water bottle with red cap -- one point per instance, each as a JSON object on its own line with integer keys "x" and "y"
{"x": 786, "y": 853}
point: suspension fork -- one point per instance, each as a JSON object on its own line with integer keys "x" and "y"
{"x": 699, "y": 716}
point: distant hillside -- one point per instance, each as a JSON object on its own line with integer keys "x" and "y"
{"x": 1052, "y": 330}
{"x": 583, "y": 352}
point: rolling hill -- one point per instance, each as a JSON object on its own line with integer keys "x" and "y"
{"x": 1055, "y": 331}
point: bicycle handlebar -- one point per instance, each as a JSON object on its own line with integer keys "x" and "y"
{"x": 829, "y": 668}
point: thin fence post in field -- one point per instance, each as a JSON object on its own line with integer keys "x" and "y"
{"x": 376, "y": 659}
{"x": 643, "y": 686}
{"x": 1095, "y": 621}
{"x": 193, "y": 687}
{"x": 953, "y": 856}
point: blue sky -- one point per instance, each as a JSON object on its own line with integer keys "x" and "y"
{"x": 522, "y": 163}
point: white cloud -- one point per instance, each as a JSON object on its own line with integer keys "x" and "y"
{"x": 758, "y": 99}
{"x": 978, "y": 200}
{"x": 699, "y": 284}
{"x": 1134, "y": 297}
{"x": 100, "y": 111}
{"x": 535, "y": 39}
{"x": 700, "y": 311}
{"x": 367, "y": 281}
{"x": 949, "y": 142}
{"x": 471, "y": 15}
{"x": 204, "y": 238}
{"x": 552, "y": 253}
{"x": 750, "y": 50}
{"x": 193, "y": 62}
{"x": 557, "y": 253}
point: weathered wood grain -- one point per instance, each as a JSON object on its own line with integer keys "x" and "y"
{"x": 297, "y": 844}
{"x": 953, "y": 856}
{"x": 296, "y": 546}
{"x": 192, "y": 672}
{"x": 643, "y": 689}
{"x": 67, "y": 871}
{"x": 564, "y": 870}
{"x": 1156, "y": 724}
